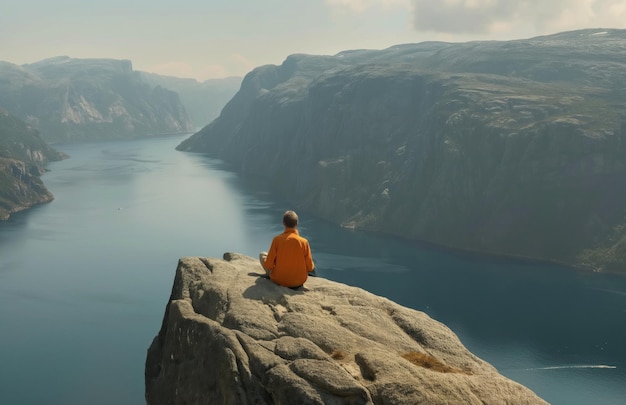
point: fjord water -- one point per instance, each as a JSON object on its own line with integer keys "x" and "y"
{"x": 85, "y": 279}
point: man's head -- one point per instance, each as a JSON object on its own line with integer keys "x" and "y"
{"x": 290, "y": 219}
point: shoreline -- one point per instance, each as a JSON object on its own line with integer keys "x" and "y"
{"x": 457, "y": 251}
{"x": 246, "y": 177}
{"x": 121, "y": 138}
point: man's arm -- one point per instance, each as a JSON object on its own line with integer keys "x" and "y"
{"x": 308, "y": 259}
{"x": 270, "y": 260}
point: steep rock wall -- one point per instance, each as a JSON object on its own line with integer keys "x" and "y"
{"x": 20, "y": 187}
{"x": 503, "y": 147}
{"x": 22, "y": 156}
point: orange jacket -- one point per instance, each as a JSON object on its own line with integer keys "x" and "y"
{"x": 289, "y": 259}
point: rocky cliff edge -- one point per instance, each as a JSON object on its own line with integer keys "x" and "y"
{"x": 230, "y": 336}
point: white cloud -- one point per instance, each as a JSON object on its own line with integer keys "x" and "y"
{"x": 502, "y": 17}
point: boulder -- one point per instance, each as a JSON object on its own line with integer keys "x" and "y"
{"x": 232, "y": 336}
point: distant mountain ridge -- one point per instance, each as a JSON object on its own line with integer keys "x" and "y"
{"x": 203, "y": 101}
{"x": 89, "y": 99}
{"x": 505, "y": 147}
{"x": 22, "y": 156}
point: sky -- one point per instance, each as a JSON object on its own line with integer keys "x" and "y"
{"x": 208, "y": 39}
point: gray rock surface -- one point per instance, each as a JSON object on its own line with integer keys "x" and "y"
{"x": 232, "y": 337}
{"x": 20, "y": 187}
{"x": 22, "y": 156}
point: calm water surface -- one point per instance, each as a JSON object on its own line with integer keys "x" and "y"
{"x": 84, "y": 281}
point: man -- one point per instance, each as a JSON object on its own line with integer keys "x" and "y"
{"x": 289, "y": 260}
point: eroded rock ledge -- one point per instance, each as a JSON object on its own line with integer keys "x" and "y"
{"x": 232, "y": 337}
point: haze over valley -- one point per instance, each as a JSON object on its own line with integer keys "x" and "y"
{"x": 465, "y": 159}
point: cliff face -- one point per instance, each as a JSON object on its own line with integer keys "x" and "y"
{"x": 504, "y": 147}
{"x": 88, "y": 99}
{"x": 22, "y": 156}
{"x": 231, "y": 337}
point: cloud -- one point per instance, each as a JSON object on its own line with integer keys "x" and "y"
{"x": 509, "y": 16}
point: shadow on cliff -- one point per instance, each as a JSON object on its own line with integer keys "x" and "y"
{"x": 263, "y": 288}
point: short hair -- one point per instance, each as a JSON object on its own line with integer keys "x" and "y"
{"x": 290, "y": 219}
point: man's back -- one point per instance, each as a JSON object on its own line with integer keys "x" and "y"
{"x": 289, "y": 259}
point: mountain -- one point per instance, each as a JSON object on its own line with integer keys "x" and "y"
{"x": 71, "y": 100}
{"x": 504, "y": 147}
{"x": 203, "y": 101}
{"x": 22, "y": 156}
{"x": 231, "y": 337}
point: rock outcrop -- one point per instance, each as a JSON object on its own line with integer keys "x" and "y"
{"x": 22, "y": 156}
{"x": 20, "y": 187}
{"x": 513, "y": 148}
{"x": 232, "y": 337}
{"x": 89, "y": 99}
